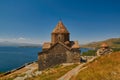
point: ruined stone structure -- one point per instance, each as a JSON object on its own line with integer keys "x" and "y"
{"x": 59, "y": 50}
{"x": 105, "y": 49}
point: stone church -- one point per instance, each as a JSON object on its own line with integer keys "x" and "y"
{"x": 59, "y": 50}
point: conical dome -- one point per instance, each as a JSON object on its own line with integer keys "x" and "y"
{"x": 60, "y": 28}
{"x": 104, "y": 45}
{"x": 60, "y": 33}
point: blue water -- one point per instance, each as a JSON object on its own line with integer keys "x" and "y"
{"x": 84, "y": 50}
{"x": 13, "y": 57}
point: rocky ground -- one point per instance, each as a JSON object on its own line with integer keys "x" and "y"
{"x": 22, "y": 73}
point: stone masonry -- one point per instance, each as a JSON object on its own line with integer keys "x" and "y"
{"x": 59, "y": 50}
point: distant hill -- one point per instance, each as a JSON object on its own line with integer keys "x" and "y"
{"x": 113, "y": 42}
{"x": 7, "y": 43}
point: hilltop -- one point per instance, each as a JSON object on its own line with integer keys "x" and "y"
{"x": 113, "y": 42}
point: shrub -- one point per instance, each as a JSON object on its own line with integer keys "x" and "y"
{"x": 116, "y": 49}
{"x": 89, "y": 53}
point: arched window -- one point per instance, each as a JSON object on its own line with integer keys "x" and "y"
{"x": 60, "y": 38}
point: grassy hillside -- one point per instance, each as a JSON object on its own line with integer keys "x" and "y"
{"x": 54, "y": 73}
{"x": 104, "y": 68}
{"x": 113, "y": 42}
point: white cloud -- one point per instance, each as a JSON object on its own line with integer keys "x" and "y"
{"x": 20, "y": 40}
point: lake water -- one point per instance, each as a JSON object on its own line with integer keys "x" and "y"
{"x": 13, "y": 57}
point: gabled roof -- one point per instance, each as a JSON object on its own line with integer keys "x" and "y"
{"x": 68, "y": 48}
{"x": 60, "y": 44}
{"x": 46, "y": 45}
{"x": 60, "y": 28}
{"x": 74, "y": 45}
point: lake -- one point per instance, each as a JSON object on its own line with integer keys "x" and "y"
{"x": 13, "y": 57}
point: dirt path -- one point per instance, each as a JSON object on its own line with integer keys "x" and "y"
{"x": 76, "y": 70}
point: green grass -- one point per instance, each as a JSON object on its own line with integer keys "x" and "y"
{"x": 116, "y": 49}
{"x": 89, "y": 53}
{"x": 54, "y": 73}
{"x": 104, "y": 68}
{"x": 93, "y": 52}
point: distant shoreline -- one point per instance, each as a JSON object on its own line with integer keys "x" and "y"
{"x": 29, "y": 46}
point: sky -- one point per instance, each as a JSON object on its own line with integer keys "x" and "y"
{"x": 32, "y": 21}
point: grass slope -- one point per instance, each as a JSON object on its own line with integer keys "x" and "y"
{"x": 104, "y": 68}
{"x": 54, "y": 73}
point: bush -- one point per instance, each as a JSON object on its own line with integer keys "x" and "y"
{"x": 116, "y": 49}
{"x": 89, "y": 53}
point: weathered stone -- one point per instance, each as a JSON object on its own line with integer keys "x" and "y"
{"x": 38, "y": 73}
{"x": 83, "y": 59}
{"x": 29, "y": 73}
{"x": 104, "y": 50}
{"x": 19, "y": 78}
{"x": 60, "y": 50}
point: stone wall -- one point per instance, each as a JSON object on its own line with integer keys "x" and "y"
{"x": 57, "y": 55}
{"x": 73, "y": 56}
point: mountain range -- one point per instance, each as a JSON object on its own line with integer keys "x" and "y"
{"x": 112, "y": 42}
{"x": 7, "y": 43}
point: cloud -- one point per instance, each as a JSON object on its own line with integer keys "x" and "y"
{"x": 20, "y": 40}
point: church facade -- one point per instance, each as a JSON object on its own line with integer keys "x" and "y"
{"x": 59, "y": 50}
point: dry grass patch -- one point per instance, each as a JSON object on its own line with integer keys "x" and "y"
{"x": 54, "y": 73}
{"x": 104, "y": 68}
